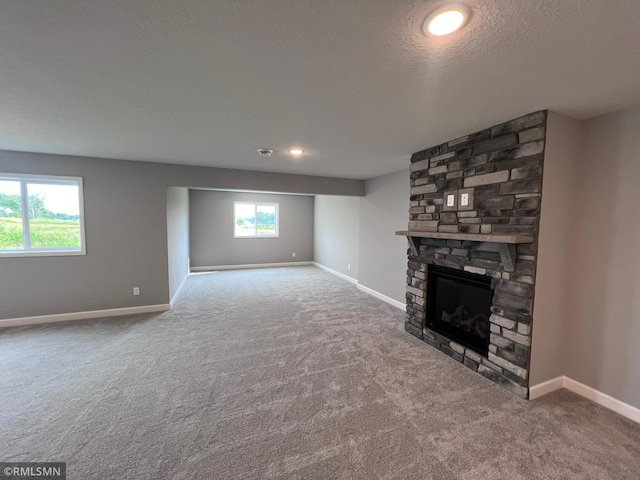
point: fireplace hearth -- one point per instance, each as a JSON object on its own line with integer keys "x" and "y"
{"x": 459, "y": 306}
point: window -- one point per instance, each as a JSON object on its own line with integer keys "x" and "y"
{"x": 41, "y": 215}
{"x": 255, "y": 220}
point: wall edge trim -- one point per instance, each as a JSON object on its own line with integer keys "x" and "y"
{"x": 382, "y": 297}
{"x": 336, "y": 273}
{"x": 596, "y": 396}
{"x": 607, "y": 401}
{"x": 248, "y": 265}
{"x": 362, "y": 288}
{"x": 544, "y": 388}
{"x": 65, "y": 317}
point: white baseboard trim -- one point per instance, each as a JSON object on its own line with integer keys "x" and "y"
{"x": 361, "y": 287}
{"x": 336, "y": 273}
{"x": 249, "y": 265}
{"x": 607, "y": 401}
{"x": 65, "y": 317}
{"x": 603, "y": 399}
{"x": 382, "y": 297}
{"x": 175, "y": 296}
{"x": 544, "y": 388}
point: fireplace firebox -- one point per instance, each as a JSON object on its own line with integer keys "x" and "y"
{"x": 459, "y": 306}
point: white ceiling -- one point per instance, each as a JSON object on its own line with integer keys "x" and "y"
{"x": 354, "y": 83}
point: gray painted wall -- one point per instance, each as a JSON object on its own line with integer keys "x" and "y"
{"x": 126, "y": 231}
{"x": 126, "y": 235}
{"x": 177, "y": 237}
{"x": 336, "y": 233}
{"x": 383, "y": 255}
{"x": 603, "y": 325}
{"x": 366, "y": 227}
{"x": 212, "y": 242}
{"x": 587, "y": 305}
{"x": 559, "y": 190}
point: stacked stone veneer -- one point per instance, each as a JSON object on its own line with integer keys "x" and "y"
{"x": 503, "y": 166}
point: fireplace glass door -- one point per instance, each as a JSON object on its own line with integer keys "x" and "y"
{"x": 459, "y": 306}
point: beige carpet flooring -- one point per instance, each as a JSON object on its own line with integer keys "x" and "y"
{"x": 285, "y": 373}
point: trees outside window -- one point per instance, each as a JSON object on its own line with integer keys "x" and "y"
{"x": 255, "y": 220}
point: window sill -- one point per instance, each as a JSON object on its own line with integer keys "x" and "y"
{"x": 257, "y": 236}
{"x": 42, "y": 253}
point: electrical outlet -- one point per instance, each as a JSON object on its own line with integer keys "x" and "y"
{"x": 293, "y": 254}
{"x": 465, "y": 199}
{"x": 349, "y": 267}
{"x": 136, "y": 290}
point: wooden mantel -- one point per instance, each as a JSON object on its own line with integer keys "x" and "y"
{"x": 503, "y": 244}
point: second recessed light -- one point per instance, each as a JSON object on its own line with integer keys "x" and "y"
{"x": 296, "y": 151}
{"x": 446, "y": 20}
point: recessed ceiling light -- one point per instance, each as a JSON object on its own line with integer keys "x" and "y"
{"x": 296, "y": 151}
{"x": 446, "y": 20}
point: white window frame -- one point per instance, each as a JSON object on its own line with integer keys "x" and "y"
{"x": 255, "y": 209}
{"x": 28, "y": 251}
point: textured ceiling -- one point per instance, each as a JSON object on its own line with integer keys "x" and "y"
{"x": 354, "y": 83}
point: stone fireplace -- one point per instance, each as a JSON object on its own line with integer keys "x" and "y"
{"x": 473, "y": 228}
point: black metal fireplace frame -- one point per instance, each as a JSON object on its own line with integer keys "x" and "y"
{"x": 457, "y": 335}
